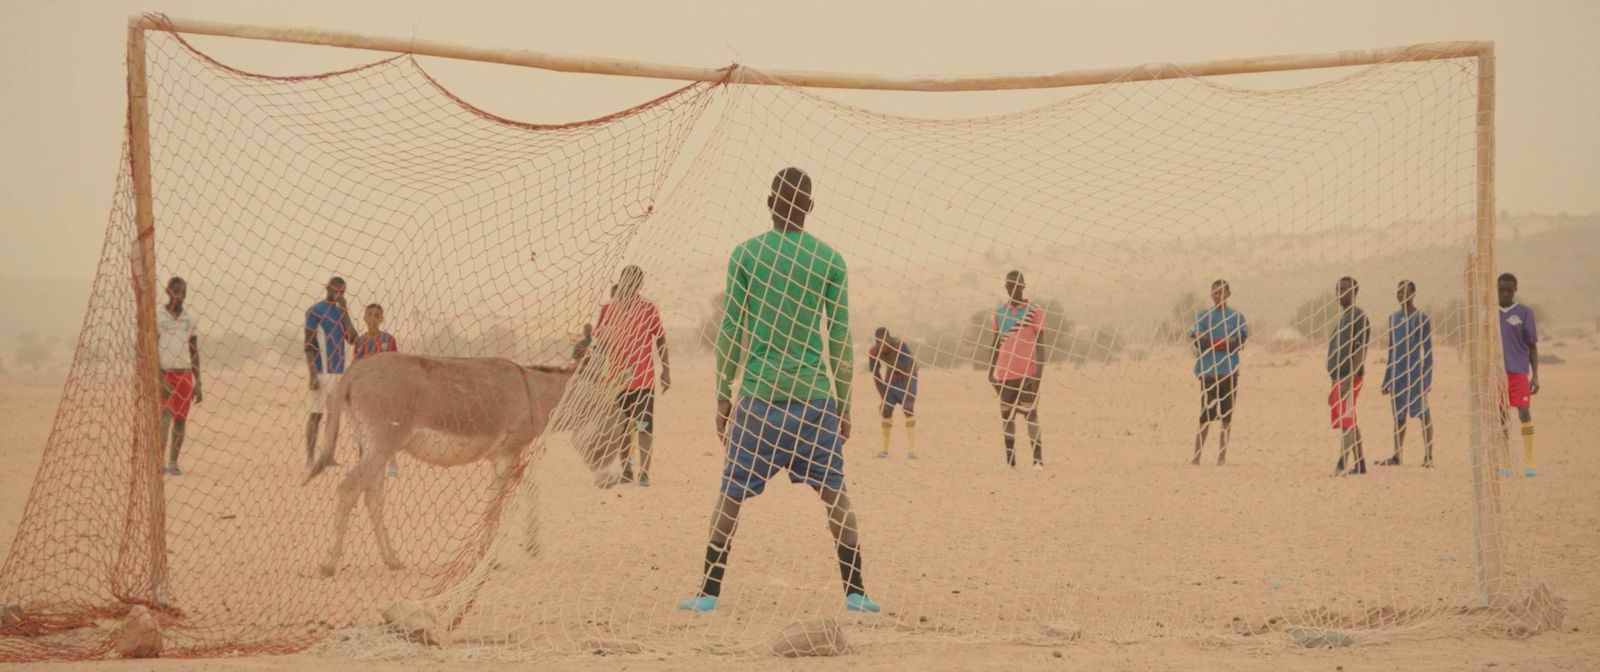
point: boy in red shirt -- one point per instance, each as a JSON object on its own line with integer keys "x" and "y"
{"x": 374, "y": 341}
{"x": 629, "y": 331}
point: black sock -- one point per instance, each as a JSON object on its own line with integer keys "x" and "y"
{"x": 1038, "y": 452}
{"x": 850, "y": 570}
{"x": 1011, "y": 451}
{"x": 716, "y": 564}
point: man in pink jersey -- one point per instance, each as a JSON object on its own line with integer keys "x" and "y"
{"x": 629, "y": 332}
{"x": 1017, "y": 364}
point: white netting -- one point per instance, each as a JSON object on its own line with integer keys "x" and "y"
{"x": 481, "y": 237}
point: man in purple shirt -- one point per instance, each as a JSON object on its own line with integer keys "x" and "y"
{"x": 1519, "y": 340}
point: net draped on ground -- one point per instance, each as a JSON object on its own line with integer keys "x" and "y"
{"x": 487, "y": 237}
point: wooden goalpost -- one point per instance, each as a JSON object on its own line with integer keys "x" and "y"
{"x": 1482, "y": 319}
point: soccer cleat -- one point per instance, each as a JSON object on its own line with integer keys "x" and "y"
{"x": 859, "y": 602}
{"x": 1505, "y": 473}
{"x": 644, "y": 480}
{"x": 1038, "y": 466}
{"x": 700, "y": 603}
{"x": 881, "y": 454}
{"x": 394, "y": 470}
{"x": 1391, "y": 462}
{"x": 1528, "y": 473}
{"x": 911, "y": 456}
{"x": 173, "y": 470}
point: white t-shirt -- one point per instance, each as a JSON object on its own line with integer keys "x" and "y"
{"x": 175, "y": 333}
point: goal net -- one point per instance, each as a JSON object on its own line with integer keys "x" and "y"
{"x": 1119, "y": 205}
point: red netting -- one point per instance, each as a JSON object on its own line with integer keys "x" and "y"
{"x": 377, "y": 174}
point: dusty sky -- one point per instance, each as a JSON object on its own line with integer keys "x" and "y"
{"x": 63, "y": 71}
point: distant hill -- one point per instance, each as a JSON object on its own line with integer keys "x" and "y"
{"x": 1557, "y": 257}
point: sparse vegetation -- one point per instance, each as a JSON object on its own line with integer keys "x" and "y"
{"x": 1175, "y": 328}
{"x": 1316, "y": 315}
{"x": 32, "y": 349}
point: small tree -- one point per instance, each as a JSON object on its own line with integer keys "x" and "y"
{"x": 1180, "y": 319}
{"x": 1317, "y": 314}
{"x": 32, "y": 350}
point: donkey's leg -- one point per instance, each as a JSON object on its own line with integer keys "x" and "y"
{"x": 374, "y": 499}
{"x": 345, "y": 500}
{"x": 366, "y": 470}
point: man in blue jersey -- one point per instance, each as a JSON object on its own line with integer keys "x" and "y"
{"x": 1218, "y": 333}
{"x": 1409, "y": 374}
{"x": 328, "y": 329}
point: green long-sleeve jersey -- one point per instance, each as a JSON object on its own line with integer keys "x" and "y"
{"x": 781, "y": 285}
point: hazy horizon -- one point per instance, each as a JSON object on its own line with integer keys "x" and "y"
{"x": 66, "y": 73}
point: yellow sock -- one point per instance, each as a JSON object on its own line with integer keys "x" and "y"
{"x": 1527, "y": 444}
{"x": 887, "y": 426}
{"x": 911, "y": 433}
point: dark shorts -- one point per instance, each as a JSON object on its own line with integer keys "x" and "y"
{"x": 1216, "y": 397}
{"x": 765, "y": 436}
{"x": 639, "y": 406}
{"x": 1407, "y": 399}
{"x": 901, "y": 392}
{"x": 1021, "y": 393}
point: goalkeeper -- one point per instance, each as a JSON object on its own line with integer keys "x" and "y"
{"x": 791, "y": 414}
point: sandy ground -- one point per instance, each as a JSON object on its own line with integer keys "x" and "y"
{"x": 1117, "y": 535}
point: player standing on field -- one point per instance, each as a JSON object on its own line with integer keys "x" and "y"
{"x": 894, "y": 374}
{"x": 328, "y": 329}
{"x": 372, "y": 342}
{"x": 1218, "y": 333}
{"x": 1519, "y": 343}
{"x": 1409, "y": 374}
{"x": 1016, "y": 365}
{"x": 627, "y": 329}
{"x": 1347, "y": 362}
{"x": 791, "y": 413}
{"x": 178, "y": 343}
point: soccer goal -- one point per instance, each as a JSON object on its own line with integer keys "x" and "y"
{"x": 1029, "y": 302}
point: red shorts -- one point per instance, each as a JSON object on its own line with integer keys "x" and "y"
{"x": 1517, "y": 389}
{"x": 1342, "y": 409}
{"x": 177, "y": 387}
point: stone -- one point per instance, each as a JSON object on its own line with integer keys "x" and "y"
{"x": 413, "y": 622}
{"x": 139, "y": 635}
{"x": 808, "y": 638}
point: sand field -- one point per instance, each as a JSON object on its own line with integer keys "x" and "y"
{"x": 1151, "y": 558}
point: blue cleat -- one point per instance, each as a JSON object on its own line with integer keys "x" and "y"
{"x": 699, "y": 603}
{"x": 1528, "y": 473}
{"x": 1505, "y": 473}
{"x": 859, "y": 602}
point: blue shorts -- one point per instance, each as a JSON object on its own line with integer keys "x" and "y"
{"x": 1407, "y": 398}
{"x": 765, "y": 436}
{"x": 901, "y": 392}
